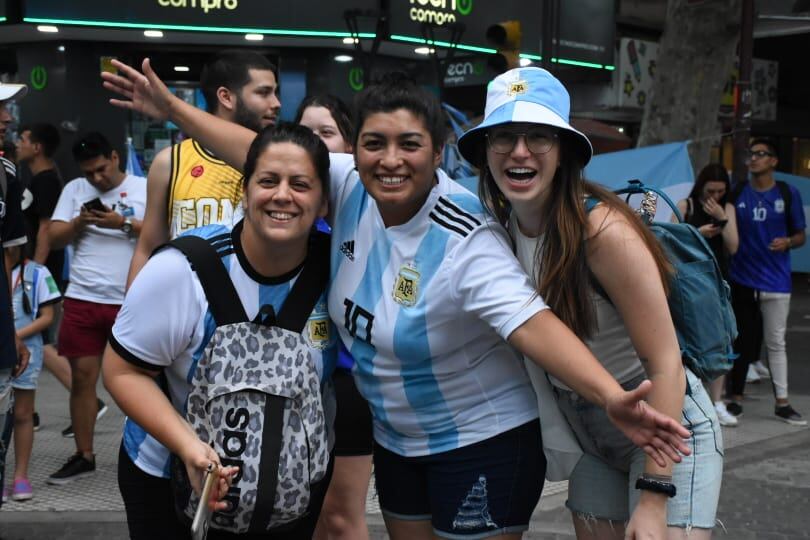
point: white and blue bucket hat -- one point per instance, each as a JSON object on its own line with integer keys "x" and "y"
{"x": 528, "y": 94}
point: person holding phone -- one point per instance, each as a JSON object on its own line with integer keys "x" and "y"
{"x": 100, "y": 215}
{"x": 709, "y": 210}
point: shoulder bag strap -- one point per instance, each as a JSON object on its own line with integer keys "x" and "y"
{"x": 308, "y": 287}
{"x": 787, "y": 196}
{"x": 223, "y": 300}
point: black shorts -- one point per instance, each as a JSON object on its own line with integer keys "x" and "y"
{"x": 353, "y": 436}
{"x": 484, "y": 489}
{"x": 150, "y": 511}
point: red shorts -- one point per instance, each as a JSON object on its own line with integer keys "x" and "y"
{"x": 86, "y": 326}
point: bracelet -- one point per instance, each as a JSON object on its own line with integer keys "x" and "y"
{"x": 654, "y": 483}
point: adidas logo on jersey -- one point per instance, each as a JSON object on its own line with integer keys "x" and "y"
{"x": 347, "y": 248}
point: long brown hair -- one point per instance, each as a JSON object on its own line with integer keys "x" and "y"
{"x": 560, "y": 263}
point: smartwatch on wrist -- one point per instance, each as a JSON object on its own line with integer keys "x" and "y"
{"x": 656, "y": 484}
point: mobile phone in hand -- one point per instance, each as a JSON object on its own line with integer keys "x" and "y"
{"x": 719, "y": 222}
{"x": 199, "y": 526}
{"x": 95, "y": 204}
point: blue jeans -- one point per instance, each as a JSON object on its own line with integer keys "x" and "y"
{"x": 602, "y": 484}
{"x": 6, "y": 421}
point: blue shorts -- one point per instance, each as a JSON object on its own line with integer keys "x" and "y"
{"x": 602, "y": 484}
{"x": 481, "y": 490}
{"x": 28, "y": 378}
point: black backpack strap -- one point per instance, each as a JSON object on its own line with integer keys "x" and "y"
{"x": 308, "y": 287}
{"x": 223, "y": 300}
{"x": 271, "y": 450}
{"x": 689, "y": 210}
{"x": 787, "y": 197}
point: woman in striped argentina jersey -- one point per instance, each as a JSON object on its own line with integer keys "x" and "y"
{"x": 427, "y": 293}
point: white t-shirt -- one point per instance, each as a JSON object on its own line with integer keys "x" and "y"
{"x": 165, "y": 324}
{"x": 424, "y": 308}
{"x": 101, "y": 257}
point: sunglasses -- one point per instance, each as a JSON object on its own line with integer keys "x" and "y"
{"x": 538, "y": 141}
{"x": 759, "y": 154}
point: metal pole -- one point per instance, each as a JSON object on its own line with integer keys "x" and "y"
{"x": 742, "y": 108}
{"x": 547, "y": 43}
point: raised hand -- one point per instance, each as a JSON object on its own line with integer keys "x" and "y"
{"x": 144, "y": 92}
{"x": 661, "y": 437}
{"x": 714, "y": 209}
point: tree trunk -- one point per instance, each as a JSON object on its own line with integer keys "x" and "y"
{"x": 695, "y": 59}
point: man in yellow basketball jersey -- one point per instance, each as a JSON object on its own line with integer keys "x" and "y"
{"x": 188, "y": 186}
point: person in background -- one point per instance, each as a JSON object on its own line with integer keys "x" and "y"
{"x": 34, "y": 297}
{"x": 709, "y": 210}
{"x": 343, "y": 515}
{"x": 100, "y": 215}
{"x": 771, "y": 222}
{"x": 14, "y": 354}
{"x": 188, "y": 186}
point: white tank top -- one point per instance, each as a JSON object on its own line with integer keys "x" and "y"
{"x": 610, "y": 342}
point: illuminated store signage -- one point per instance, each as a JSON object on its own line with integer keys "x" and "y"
{"x": 316, "y": 18}
{"x": 586, "y": 26}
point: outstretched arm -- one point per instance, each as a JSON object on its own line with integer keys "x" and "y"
{"x": 146, "y": 94}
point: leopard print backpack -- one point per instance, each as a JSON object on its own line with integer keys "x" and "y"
{"x": 256, "y": 398}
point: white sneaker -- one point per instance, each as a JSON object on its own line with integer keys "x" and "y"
{"x": 752, "y": 376}
{"x": 761, "y": 370}
{"x": 725, "y": 417}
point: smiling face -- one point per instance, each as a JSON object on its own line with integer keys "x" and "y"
{"x": 257, "y": 103}
{"x": 283, "y": 197}
{"x": 524, "y": 177}
{"x": 320, "y": 121}
{"x": 397, "y": 162}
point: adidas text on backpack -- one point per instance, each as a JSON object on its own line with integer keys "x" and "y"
{"x": 699, "y": 298}
{"x": 256, "y": 398}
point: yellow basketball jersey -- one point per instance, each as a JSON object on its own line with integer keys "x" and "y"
{"x": 203, "y": 189}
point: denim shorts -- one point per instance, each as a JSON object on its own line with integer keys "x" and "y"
{"x": 477, "y": 491}
{"x": 27, "y": 380}
{"x": 602, "y": 485}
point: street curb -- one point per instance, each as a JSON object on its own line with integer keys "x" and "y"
{"x": 753, "y": 452}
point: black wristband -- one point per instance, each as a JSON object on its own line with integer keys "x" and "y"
{"x": 649, "y": 483}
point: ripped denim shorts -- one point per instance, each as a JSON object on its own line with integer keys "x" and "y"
{"x": 602, "y": 485}
{"x": 485, "y": 489}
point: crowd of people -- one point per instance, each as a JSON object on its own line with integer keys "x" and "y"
{"x": 424, "y": 339}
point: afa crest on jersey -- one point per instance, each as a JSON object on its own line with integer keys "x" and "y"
{"x": 406, "y": 286}
{"x": 779, "y": 206}
{"x": 317, "y": 331}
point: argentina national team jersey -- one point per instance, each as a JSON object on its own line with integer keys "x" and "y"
{"x": 424, "y": 308}
{"x": 165, "y": 324}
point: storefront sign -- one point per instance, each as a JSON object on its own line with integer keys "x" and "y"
{"x": 467, "y": 72}
{"x": 587, "y": 27}
{"x": 301, "y": 17}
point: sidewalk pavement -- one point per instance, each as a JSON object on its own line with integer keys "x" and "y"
{"x": 765, "y": 495}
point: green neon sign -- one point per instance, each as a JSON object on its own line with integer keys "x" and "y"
{"x": 39, "y": 78}
{"x": 194, "y": 28}
{"x": 464, "y": 6}
{"x": 356, "y": 79}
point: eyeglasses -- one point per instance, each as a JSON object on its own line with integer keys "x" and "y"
{"x": 538, "y": 141}
{"x": 759, "y": 154}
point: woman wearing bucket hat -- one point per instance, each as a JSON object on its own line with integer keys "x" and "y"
{"x": 426, "y": 291}
{"x": 603, "y": 273}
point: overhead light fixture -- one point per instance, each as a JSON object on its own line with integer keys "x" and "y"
{"x": 424, "y": 50}
{"x": 524, "y": 62}
{"x": 182, "y": 69}
{"x": 47, "y": 28}
{"x": 254, "y": 37}
{"x": 61, "y": 48}
{"x": 620, "y": 129}
{"x": 343, "y": 58}
{"x": 153, "y": 33}
{"x": 350, "y": 40}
